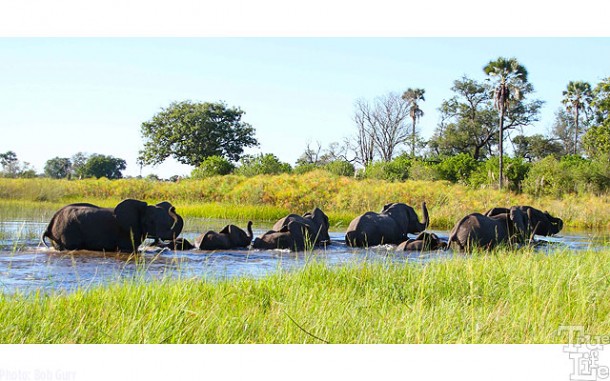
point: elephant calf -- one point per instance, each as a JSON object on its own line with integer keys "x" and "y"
{"x": 423, "y": 242}
{"x": 389, "y": 226}
{"x": 230, "y": 237}
{"x": 478, "y": 230}
{"x": 85, "y": 226}
{"x": 296, "y": 232}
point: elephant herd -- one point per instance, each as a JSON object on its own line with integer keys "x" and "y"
{"x": 124, "y": 228}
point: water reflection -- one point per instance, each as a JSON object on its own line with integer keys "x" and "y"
{"x": 27, "y": 266}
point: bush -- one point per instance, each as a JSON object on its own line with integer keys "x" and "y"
{"x": 213, "y": 166}
{"x": 304, "y": 168}
{"x": 395, "y": 170}
{"x": 515, "y": 172}
{"x": 457, "y": 168}
{"x": 267, "y": 164}
{"x": 422, "y": 170}
{"x": 341, "y": 168}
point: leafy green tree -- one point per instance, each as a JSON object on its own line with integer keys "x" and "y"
{"x": 596, "y": 140}
{"x": 601, "y": 101}
{"x": 457, "y": 168}
{"x": 508, "y": 86}
{"x": 577, "y": 97}
{"x": 58, "y": 168}
{"x": 103, "y": 166}
{"x": 213, "y": 166}
{"x": 263, "y": 164}
{"x": 468, "y": 122}
{"x": 191, "y": 132}
{"x": 412, "y": 97}
{"x": 536, "y": 147}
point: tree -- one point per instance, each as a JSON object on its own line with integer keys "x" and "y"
{"x": 103, "y": 166}
{"x": 213, "y": 166}
{"x": 536, "y": 147}
{"x": 381, "y": 127}
{"x": 12, "y": 167}
{"x": 58, "y": 168}
{"x": 267, "y": 164}
{"x": 412, "y": 96}
{"x": 577, "y": 97}
{"x": 510, "y": 81}
{"x": 468, "y": 122}
{"x": 191, "y": 132}
{"x": 562, "y": 131}
{"x": 601, "y": 101}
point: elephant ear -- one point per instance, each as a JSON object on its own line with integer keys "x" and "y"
{"x": 519, "y": 219}
{"x": 129, "y": 214}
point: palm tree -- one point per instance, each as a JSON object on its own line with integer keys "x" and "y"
{"x": 578, "y": 96}
{"x": 510, "y": 81}
{"x": 412, "y": 96}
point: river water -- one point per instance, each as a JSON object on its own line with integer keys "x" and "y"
{"x": 27, "y": 266}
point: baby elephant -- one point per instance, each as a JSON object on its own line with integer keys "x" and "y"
{"x": 423, "y": 242}
{"x": 178, "y": 244}
{"x": 230, "y": 237}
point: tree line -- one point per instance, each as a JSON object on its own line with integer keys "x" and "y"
{"x": 467, "y": 146}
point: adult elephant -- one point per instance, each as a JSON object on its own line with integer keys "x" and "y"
{"x": 478, "y": 230}
{"x": 541, "y": 223}
{"x": 229, "y": 237}
{"x": 389, "y": 226}
{"x": 296, "y": 232}
{"x": 423, "y": 242}
{"x": 86, "y": 226}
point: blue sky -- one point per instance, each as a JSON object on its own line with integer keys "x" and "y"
{"x": 63, "y": 95}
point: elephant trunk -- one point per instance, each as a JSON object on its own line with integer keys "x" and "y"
{"x": 250, "y": 234}
{"x": 426, "y": 220}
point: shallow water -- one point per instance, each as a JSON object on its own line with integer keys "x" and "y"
{"x": 28, "y": 266}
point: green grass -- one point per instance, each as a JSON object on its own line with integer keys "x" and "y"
{"x": 268, "y": 198}
{"x": 504, "y": 297}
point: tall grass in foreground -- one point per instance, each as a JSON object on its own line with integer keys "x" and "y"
{"x": 270, "y": 197}
{"x": 504, "y": 297}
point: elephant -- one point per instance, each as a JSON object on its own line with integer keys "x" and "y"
{"x": 282, "y": 239}
{"x": 296, "y": 232}
{"x": 229, "y": 237}
{"x": 177, "y": 244}
{"x": 389, "y": 226}
{"x": 477, "y": 229}
{"x": 423, "y": 242}
{"x": 541, "y": 223}
{"x": 84, "y": 226}
{"x": 177, "y": 229}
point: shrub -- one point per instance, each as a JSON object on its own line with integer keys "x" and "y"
{"x": 263, "y": 164}
{"x": 457, "y": 168}
{"x": 515, "y": 172}
{"x": 341, "y": 168}
{"x": 213, "y": 166}
{"x": 395, "y": 170}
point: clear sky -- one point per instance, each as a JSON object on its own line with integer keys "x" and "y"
{"x": 59, "y": 96}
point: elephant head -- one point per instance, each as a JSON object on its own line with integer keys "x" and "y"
{"x": 488, "y": 231}
{"x": 406, "y": 218}
{"x": 236, "y": 236}
{"x": 143, "y": 220}
{"x": 321, "y": 220}
{"x": 539, "y": 222}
